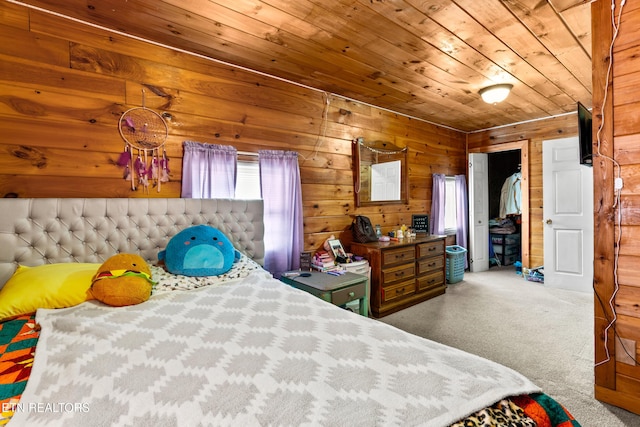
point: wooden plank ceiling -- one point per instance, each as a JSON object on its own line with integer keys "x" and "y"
{"x": 423, "y": 58}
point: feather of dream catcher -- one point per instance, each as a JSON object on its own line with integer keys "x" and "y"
{"x": 144, "y": 158}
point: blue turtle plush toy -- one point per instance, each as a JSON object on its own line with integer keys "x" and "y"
{"x": 200, "y": 250}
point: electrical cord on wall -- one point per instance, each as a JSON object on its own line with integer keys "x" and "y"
{"x": 322, "y": 132}
{"x": 615, "y": 23}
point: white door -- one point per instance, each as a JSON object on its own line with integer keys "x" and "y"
{"x": 385, "y": 181}
{"x": 568, "y": 216}
{"x": 478, "y": 212}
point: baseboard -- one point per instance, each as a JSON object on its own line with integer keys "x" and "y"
{"x": 616, "y": 398}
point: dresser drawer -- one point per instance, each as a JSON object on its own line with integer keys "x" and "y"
{"x": 397, "y": 291}
{"x": 430, "y": 281}
{"x": 430, "y": 249}
{"x": 395, "y": 274}
{"x": 352, "y": 293}
{"x": 398, "y": 255}
{"x": 429, "y": 264}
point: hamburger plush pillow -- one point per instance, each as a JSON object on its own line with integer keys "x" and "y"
{"x": 123, "y": 279}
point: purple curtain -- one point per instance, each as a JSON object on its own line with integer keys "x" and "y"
{"x": 283, "y": 223}
{"x": 462, "y": 213}
{"x": 208, "y": 170}
{"x": 437, "y": 204}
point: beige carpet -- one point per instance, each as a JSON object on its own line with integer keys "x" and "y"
{"x": 546, "y": 334}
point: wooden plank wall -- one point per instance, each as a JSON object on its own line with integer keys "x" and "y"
{"x": 617, "y": 379}
{"x": 536, "y": 132}
{"x": 64, "y": 86}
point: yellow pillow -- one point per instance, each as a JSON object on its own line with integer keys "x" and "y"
{"x": 46, "y": 286}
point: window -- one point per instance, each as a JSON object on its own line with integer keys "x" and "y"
{"x": 247, "y": 180}
{"x": 450, "y": 202}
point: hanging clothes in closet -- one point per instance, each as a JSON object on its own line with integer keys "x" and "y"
{"x": 510, "y": 196}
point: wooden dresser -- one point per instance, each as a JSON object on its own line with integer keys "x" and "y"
{"x": 404, "y": 272}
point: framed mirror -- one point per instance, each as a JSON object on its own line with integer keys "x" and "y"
{"x": 381, "y": 173}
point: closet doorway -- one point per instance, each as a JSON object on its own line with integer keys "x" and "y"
{"x": 481, "y": 199}
{"x": 505, "y": 207}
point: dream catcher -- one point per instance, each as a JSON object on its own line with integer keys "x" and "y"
{"x": 144, "y": 158}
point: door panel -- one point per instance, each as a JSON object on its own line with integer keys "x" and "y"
{"x": 567, "y": 259}
{"x": 479, "y": 214}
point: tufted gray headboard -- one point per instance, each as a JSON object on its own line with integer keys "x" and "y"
{"x": 39, "y": 231}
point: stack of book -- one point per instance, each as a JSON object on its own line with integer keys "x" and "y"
{"x": 323, "y": 261}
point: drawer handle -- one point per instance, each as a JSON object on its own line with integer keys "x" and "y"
{"x": 432, "y": 249}
{"x": 352, "y": 294}
{"x": 400, "y": 291}
{"x": 432, "y": 264}
{"x": 399, "y": 273}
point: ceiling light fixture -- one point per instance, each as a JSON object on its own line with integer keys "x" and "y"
{"x": 496, "y": 93}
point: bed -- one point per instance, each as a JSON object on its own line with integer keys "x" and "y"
{"x": 240, "y": 348}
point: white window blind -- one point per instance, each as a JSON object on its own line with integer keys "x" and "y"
{"x": 450, "y": 217}
{"x": 248, "y": 180}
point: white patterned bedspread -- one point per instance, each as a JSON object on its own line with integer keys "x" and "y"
{"x": 251, "y": 352}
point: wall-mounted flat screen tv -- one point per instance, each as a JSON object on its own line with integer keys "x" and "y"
{"x": 585, "y": 135}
